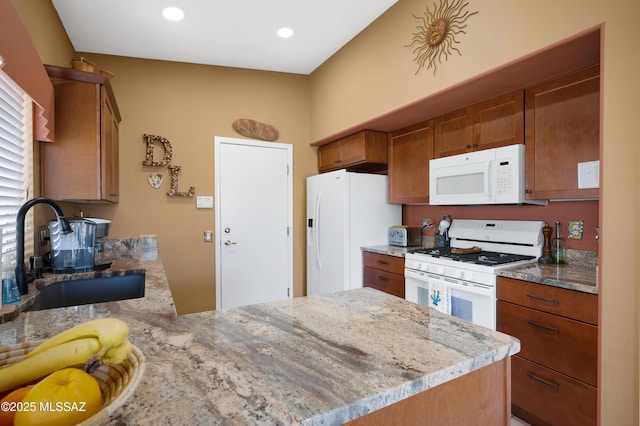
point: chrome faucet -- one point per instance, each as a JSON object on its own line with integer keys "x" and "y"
{"x": 21, "y": 270}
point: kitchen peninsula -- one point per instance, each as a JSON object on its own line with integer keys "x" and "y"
{"x": 327, "y": 359}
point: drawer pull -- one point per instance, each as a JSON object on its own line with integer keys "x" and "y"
{"x": 383, "y": 279}
{"x": 382, "y": 262}
{"x": 546, "y": 327}
{"x": 543, "y": 299}
{"x": 543, "y": 381}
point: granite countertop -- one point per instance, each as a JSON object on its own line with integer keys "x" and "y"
{"x": 577, "y": 277}
{"x": 388, "y": 250}
{"x": 580, "y": 273}
{"x": 310, "y": 360}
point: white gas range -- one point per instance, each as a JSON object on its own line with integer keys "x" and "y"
{"x": 460, "y": 280}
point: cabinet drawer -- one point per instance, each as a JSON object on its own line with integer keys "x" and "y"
{"x": 550, "y": 397}
{"x": 385, "y": 262}
{"x": 385, "y": 281}
{"x": 567, "y": 303}
{"x": 565, "y": 345}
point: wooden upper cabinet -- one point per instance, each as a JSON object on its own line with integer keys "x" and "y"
{"x": 453, "y": 133}
{"x": 499, "y": 122}
{"x": 410, "y": 150}
{"x": 363, "y": 151}
{"x": 491, "y": 124}
{"x": 329, "y": 157}
{"x": 82, "y": 162}
{"x": 562, "y": 130}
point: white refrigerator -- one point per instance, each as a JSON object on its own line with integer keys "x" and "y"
{"x": 345, "y": 211}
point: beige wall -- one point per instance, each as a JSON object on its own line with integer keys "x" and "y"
{"x": 374, "y": 74}
{"x": 189, "y": 105}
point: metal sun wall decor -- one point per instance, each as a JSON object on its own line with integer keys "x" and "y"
{"x": 155, "y": 180}
{"x": 435, "y": 38}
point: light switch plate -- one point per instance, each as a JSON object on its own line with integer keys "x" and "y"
{"x": 204, "y": 202}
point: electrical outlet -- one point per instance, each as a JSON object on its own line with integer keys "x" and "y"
{"x": 427, "y": 223}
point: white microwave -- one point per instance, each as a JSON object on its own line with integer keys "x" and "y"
{"x": 490, "y": 176}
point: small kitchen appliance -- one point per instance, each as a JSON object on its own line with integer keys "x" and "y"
{"x": 489, "y": 176}
{"x": 460, "y": 280}
{"x": 404, "y": 236}
{"x": 71, "y": 253}
{"x": 102, "y": 230}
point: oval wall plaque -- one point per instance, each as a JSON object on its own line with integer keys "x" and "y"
{"x": 256, "y": 130}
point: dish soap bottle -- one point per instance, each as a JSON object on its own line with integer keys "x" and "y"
{"x": 10, "y": 292}
{"x": 558, "y": 248}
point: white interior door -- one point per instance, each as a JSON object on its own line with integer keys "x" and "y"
{"x": 253, "y": 193}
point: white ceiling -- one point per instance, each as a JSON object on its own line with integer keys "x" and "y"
{"x": 233, "y": 33}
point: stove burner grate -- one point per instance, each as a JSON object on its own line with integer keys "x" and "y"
{"x": 489, "y": 258}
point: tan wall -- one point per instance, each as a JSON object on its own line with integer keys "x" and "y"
{"x": 374, "y": 74}
{"x": 189, "y": 105}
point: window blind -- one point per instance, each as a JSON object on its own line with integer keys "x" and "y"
{"x": 16, "y": 164}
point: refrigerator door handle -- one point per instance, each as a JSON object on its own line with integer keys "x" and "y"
{"x": 316, "y": 231}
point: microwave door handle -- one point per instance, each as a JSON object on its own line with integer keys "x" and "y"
{"x": 487, "y": 182}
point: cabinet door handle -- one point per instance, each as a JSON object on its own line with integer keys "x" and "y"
{"x": 545, "y": 327}
{"x": 337, "y": 161}
{"x": 467, "y": 146}
{"x": 543, "y": 381}
{"x": 542, "y": 299}
{"x": 383, "y": 279}
{"x": 382, "y": 262}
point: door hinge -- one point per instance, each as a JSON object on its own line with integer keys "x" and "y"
{"x": 288, "y": 292}
{"x": 287, "y": 169}
{"x": 288, "y": 231}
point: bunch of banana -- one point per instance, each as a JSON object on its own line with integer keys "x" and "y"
{"x": 95, "y": 342}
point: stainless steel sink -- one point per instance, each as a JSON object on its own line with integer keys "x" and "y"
{"x": 92, "y": 290}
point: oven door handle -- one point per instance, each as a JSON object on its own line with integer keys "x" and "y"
{"x": 424, "y": 277}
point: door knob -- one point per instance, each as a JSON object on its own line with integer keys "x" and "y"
{"x": 228, "y": 243}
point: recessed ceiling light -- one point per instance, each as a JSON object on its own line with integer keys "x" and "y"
{"x": 173, "y": 14}
{"x": 285, "y": 32}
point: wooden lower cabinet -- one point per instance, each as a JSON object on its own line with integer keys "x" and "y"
{"x": 542, "y": 396}
{"x": 556, "y": 342}
{"x": 384, "y": 273}
{"x": 554, "y": 376}
{"x": 478, "y": 398}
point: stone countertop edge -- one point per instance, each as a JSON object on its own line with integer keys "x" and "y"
{"x": 580, "y": 275}
{"x": 310, "y": 360}
{"x": 581, "y": 278}
{"x": 389, "y": 250}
